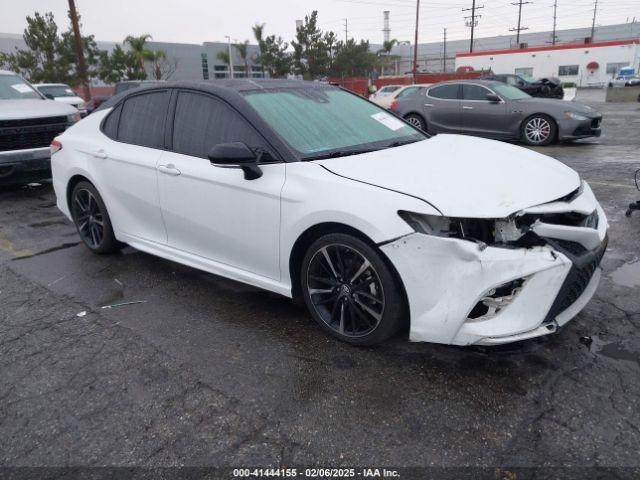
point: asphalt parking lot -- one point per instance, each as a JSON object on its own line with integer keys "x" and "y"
{"x": 201, "y": 370}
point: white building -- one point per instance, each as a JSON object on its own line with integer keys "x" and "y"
{"x": 585, "y": 64}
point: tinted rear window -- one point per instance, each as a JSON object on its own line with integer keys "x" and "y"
{"x": 142, "y": 119}
{"x": 110, "y": 126}
{"x": 446, "y": 92}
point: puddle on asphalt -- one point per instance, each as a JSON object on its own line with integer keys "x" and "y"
{"x": 628, "y": 275}
{"x": 613, "y": 350}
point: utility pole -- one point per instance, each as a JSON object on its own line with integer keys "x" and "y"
{"x": 473, "y": 23}
{"x": 555, "y": 18}
{"x": 444, "y": 52}
{"x": 346, "y": 31}
{"x": 415, "y": 45}
{"x": 593, "y": 24}
{"x": 82, "y": 66}
{"x": 519, "y": 28}
{"x": 230, "y": 56}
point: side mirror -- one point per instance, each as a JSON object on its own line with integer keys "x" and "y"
{"x": 493, "y": 98}
{"x": 49, "y": 96}
{"x": 520, "y": 83}
{"x": 236, "y": 155}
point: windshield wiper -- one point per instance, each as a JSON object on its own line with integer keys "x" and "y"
{"x": 339, "y": 153}
{"x": 399, "y": 143}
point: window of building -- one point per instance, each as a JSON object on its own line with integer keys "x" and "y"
{"x": 142, "y": 119}
{"x": 201, "y": 122}
{"x": 205, "y": 66}
{"x": 567, "y": 70}
{"x": 614, "y": 68}
{"x": 526, "y": 72}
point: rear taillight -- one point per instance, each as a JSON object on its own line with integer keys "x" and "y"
{"x": 393, "y": 105}
{"x": 55, "y": 146}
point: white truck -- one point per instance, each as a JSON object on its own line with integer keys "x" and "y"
{"x": 28, "y": 123}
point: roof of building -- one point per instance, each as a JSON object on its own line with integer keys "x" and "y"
{"x": 550, "y": 47}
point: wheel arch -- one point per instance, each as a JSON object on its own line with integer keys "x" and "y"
{"x": 417, "y": 113}
{"x": 71, "y": 184}
{"x": 311, "y": 234}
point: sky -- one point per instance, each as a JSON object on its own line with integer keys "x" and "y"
{"x": 198, "y": 21}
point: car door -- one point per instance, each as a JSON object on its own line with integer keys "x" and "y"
{"x": 442, "y": 108}
{"x": 479, "y": 116}
{"x": 126, "y": 159}
{"x": 214, "y": 212}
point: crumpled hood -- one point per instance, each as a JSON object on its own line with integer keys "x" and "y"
{"x": 33, "y": 108}
{"x": 463, "y": 176}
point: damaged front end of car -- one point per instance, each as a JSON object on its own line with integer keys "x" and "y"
{"x": 493, "y": 281}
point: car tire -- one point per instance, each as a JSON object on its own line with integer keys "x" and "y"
{"x": 416, "y": 120}
{"x": 538, "y": 130}
{"x": 350, "y": 290}
{"x": 92, "y": 220}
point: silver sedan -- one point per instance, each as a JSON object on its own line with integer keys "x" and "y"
{"x": 496, "y": 110}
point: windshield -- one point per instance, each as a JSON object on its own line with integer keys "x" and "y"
{"x": 511, "y": 93}
{"x": 57, "y": 91}
{"x": 319, "y": 123}
{"x": 13, "y": 87}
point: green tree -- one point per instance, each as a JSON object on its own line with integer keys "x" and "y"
{"x": 353, "y": 59}
{"x": 385, "y": 54}
{"x": 138, "y": 48}
{"x": 310, "y": 50}
{"x": 223, "y": 56}
{"x": 243, "y": 52}
{"x": 50, "y": 57}
{"x": 274, "y": 56}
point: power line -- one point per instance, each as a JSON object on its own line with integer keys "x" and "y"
{"x": 473, "y": 23}
{"x": 520, "y": 27}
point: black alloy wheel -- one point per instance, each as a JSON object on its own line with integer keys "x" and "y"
{"x": 350, "y": 290}
{"x": 92, "y": 220}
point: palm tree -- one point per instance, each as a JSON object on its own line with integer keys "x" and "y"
{"x": 242, "y": 49}
{"x": 223, "y": 56}
{"x": 139, "y": 50}
{"x": 387, "y": 46}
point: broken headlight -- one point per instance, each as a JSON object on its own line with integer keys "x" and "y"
{"x": 486, "y": 230}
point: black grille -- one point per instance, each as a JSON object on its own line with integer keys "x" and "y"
{"x": 578, "y": 278}
{"x": 595, "y": 123}
{"x": 574, "y": 248}
{"x": 28, "y": 122}
{"x": 30, "y": 133}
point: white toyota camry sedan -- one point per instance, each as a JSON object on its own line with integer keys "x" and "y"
{"x": 308, "y": 190}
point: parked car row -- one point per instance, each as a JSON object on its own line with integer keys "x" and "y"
{"x": 311, "y": 191}
{"x": 494, "y": 109}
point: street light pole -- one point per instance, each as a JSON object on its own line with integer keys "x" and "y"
{"x": 230, "y": 57}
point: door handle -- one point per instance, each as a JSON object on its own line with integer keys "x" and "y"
{"x": 467, "y": 108}
{"x": 99, "y": 154}
{"x": 428, "y": 104}
{"x": 169, "y": 169}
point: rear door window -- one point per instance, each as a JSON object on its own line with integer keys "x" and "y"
{"x": 445, "y": 92}
{"x": 142, "y": 119}
{"x": 202, "y": 121}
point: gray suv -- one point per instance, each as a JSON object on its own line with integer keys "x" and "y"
{"x": 28, "y": 124}
{"x": 496, "y": 110}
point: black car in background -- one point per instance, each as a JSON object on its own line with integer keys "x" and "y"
{"x": 542, "y": 88}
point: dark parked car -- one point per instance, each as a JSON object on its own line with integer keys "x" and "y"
{"x": 542, "y": 88}
{"x": 487, "y": 108}
{"x": 129, "y": 84}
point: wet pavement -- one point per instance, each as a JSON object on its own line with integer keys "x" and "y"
{"x": 199, "y": 370}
